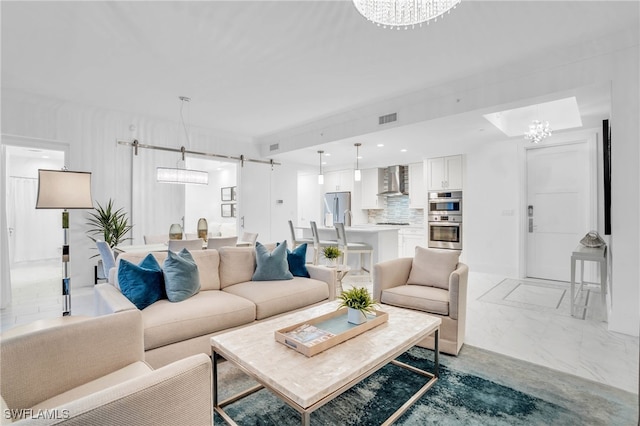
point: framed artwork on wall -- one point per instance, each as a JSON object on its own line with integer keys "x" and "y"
{"x": 227, "y": 210}
{"x": 226, "y": 193}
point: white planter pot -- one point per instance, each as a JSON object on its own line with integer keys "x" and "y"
{"x": 354, "y": 316}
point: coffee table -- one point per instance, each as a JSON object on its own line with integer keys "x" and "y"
{"x": 306, "y": 384}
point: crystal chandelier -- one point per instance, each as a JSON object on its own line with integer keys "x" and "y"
{"x": 538, "y": 130}
{"x": 403, "y": 13}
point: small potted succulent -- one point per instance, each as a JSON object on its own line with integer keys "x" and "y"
{"x": 331, "y": 253}
{"x": 359, "y": 303}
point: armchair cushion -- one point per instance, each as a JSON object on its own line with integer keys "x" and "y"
{"x": 142, "y": 284}
{"x": 180, "y": 276}
{"x": 432, "y": 267}
{"x": 420, "y": 297}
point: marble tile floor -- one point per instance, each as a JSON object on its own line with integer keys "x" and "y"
{"x": 584, "y": 348}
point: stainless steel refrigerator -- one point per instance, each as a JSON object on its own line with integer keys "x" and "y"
{"x": 337, "y": 208}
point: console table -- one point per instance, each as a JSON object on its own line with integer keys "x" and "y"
{"x": 590, "y": 254}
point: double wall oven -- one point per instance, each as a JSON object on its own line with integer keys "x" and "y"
{"x": 445, "y": 220}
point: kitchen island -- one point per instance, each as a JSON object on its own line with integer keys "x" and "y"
{"x": 383, "y": 239}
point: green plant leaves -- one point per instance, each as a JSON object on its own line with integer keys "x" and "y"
{"x": 357, "y": 298}
{"x": 108, "y": 224}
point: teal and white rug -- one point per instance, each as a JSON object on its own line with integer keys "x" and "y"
{"x": 477, "y": 388}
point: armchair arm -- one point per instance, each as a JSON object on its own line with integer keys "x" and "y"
{"x": 109, "y": 300}
{"x": 458, "y": 291}
{"x": 179, "y": 393}
{"x": 391, "y": 273}
{"x": 41, "y": 364}
{"x": 328, "y": 275}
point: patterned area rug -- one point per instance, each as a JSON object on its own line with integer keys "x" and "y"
{"x": 545, "y": 296}
{"x": 476, "y": 388}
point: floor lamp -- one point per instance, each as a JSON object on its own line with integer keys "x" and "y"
{"x": 63, "y": 189}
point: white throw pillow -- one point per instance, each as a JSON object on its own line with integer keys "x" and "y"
{"x": 432, "y": 267}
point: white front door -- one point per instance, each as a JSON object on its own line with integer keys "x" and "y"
{"x": 559, "y": 206}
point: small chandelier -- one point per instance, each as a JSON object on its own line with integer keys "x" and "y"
{"x": 403, "y": 13}
{"x": 538, "y": 130}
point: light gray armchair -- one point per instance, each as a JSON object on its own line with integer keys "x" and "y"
{"x": 438, "y": 288}
{"x": 91, "y": 371}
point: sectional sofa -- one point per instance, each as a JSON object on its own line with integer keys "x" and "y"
{"x": 227, "y": 299}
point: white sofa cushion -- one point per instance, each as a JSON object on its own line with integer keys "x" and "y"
{"x": 204, "y": 313}
{"x": 237, "y": 265}
{"x": 275, "y": 297}
{"x": 432, "y": 267}
{"x": 420, "y": 297}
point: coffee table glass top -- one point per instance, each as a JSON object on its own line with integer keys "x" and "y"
{"x": 306, "y": 381}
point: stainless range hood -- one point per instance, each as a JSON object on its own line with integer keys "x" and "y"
{"x": 394, "y": 182}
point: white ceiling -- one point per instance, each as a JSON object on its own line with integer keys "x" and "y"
{"x": 255, "y": 68}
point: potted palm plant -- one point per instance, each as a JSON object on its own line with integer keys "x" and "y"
{"x": 331, "y": 253}
{"x": 108, "y": 224}
{"x": 359, "y": 303}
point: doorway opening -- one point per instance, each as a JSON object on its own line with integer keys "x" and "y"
{"x": 34, "y": 236}
{"x": 560, "y": 205}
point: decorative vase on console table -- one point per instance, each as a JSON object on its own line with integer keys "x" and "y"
{"x": 175, "y": 232}
{"x": 203, "y": 228}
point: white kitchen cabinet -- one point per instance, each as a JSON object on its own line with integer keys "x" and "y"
{"x": 408, "y": 239}
{"x": 444, "y": 173}
{"x": 338, "y": 181}
{"x": 417, "y": 189}
{"x": 371, "y": 181}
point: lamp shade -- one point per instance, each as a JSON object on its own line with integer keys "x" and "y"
{"x": 61, "y": 189}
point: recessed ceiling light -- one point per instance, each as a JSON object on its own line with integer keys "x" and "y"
{"x": 403, "y": 150}
{"x": 324, "y": 162}
{"x": 45, "y": 156}
{"x": 327, "y": 154}
{"x": 359, "y": 157}
{"x": 380, "y": 145}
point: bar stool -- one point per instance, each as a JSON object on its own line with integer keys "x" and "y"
{"x": 347, "y": 247}
{"x": 295, "y": 241}
{"x": 318, "y": 244}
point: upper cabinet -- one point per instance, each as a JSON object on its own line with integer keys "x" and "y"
{"x": 444, "y": 173}
{"x": 339, "y": 181}
{"x": 372, "y": 180}
{"x": 417, "y": 190}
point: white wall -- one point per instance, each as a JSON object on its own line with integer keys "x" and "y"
{"x": 204, "y": 200}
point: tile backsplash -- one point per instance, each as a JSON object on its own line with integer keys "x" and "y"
{"x": 396, "y": 209}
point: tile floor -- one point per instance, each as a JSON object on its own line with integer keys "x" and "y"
{"x": 521, "y": 326}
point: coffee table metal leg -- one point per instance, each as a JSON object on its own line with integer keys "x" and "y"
{"x": 306, "y": 418}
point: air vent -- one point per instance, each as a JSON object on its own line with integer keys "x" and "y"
{"x": 389, "y": 118}
{"x": 274, "y": 147}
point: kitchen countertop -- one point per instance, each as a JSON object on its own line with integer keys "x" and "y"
{"x": 360, "y": 228}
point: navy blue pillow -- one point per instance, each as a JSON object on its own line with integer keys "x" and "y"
{"x": 181, "y": 276}
{"x": 271, "y": 266}
{"x": 142, "y": 284}
{"x": 298, "y": 261}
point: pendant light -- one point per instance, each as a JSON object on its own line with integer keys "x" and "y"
{"x": 357, "y": 175}
{"x": 320, "y": 176}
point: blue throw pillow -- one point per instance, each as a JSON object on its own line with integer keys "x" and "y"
{"x": 181, "y": 277}
{"x": 142, "y": 284}
{"x": 297, "y": 260}
{"x": 271, "y": 266}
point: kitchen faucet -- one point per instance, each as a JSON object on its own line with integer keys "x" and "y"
{"x": 348, "y": 214}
